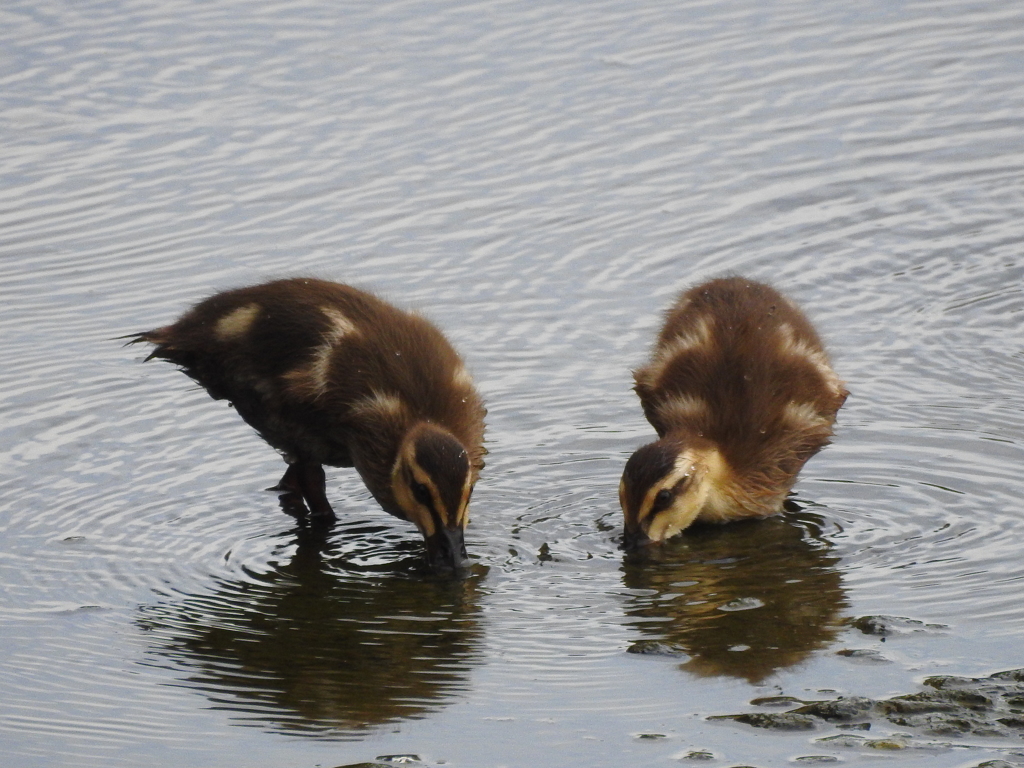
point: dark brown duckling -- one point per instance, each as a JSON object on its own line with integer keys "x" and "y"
{"x": 741, "y": 394}
{"x": 329, "y": 374}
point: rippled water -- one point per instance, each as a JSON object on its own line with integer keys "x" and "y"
{"x": 541, "y": 179}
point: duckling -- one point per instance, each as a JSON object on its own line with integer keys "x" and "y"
{"x": 329, "y": 374}
{"x": 741, "y": 394}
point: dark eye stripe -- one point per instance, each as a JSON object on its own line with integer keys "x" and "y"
{"x": 422, "y": 494}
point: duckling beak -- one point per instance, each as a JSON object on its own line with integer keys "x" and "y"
{"x": 446, "y": 549}
{"x": 635, "y": 539}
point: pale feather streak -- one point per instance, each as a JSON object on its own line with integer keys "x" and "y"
{"x": 696, "y": 337}
{"x": 791, "y": 345}
{"x": 236, "y": 323}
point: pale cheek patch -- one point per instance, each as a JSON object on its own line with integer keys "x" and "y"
{"x": 463, "y": 511}
{"x": 236, "y": 322}
{"x": 414, "y": 511}
{"x": 791, "y": 345}
{"x": 684, "y": 467}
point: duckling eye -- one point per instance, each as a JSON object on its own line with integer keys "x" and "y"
{"x": 663, "y": 497}
{"x": 421, "y": 493}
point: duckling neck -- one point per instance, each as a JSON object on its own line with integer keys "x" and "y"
{"x": 728, "y": 494}
{"x": 375, "y": 460}
{"x": 717, "y": 487}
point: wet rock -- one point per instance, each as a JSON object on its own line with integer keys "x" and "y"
{"x": 840, "y": 710}
{"x": 699, "y": 755}
{"x": 885, "y": 626}
{"x": 1010, "y": 674}
{"x": 655, "y": 648}
{"x": 937, "y": 723}
{"x": 949, "y": 706}
{"x": 815, "y": 759}
{"x": 843, "y": 740}
{"x": 775, "y": 701}
{"x": 893, "y": 743}
{"x": 949, "y": 682}
{"x": 857, "y": 726}
{"x": 864, "y": 654}
{"x": 937, "y": 701}
{"x": 779, "y": 721}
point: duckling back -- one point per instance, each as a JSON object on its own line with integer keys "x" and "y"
{"x": 314, "y": 351}
{"x": 739, "y": 375}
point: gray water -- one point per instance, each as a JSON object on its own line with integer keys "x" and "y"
{"x": 540, "y": 179}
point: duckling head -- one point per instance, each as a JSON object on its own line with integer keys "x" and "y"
{"x": 432, "y": 482}
{"x": 664, "y": 487}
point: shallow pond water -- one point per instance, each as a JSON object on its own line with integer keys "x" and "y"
{"x": 540, "y": 179}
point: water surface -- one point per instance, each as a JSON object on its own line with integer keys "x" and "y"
{"x": 540, "y": 179}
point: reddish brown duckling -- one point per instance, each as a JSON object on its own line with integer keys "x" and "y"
{"x": 328, "y": 374}
{"x": 741, "y": 394}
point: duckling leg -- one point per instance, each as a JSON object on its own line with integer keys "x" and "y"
{"x": 307, "y": 479}
{"x": 314, "y": 490}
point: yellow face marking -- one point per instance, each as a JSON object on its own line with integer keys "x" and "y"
{"x": 791, "y": 345}
{"x": 416, "y": 511}
{"x": 236, "y": 322}
{"x": 462, "y": 517}
{"x": 706, "y": 470}
{"x": 684, "y": 468}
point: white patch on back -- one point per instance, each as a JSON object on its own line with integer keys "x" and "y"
{"x": 683, "y": 408}
{"x": 341, "y": 326}
{"x": 803, "y": 416}
{"x": 791, "y": 345}
{"x": 696, "y": 337}
{"x": 311, "y": 380}
{"x": 236, "y": 322}
{"x": 320, "y": 368}
{"x": 461, "y": 377}
{"x": 377, "y": 404}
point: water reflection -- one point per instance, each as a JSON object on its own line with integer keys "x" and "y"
{"x": 308, "y": 648}
{"x": 743, "y": 600}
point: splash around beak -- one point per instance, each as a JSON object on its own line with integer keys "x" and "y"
{"x": 446, "y": 550}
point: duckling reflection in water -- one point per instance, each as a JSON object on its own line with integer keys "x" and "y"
{"x": 742, "y": 601}
{"x": 328, "y": 374}
{"x": 741, "y": 394}
{"x": 313, "y": 646}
